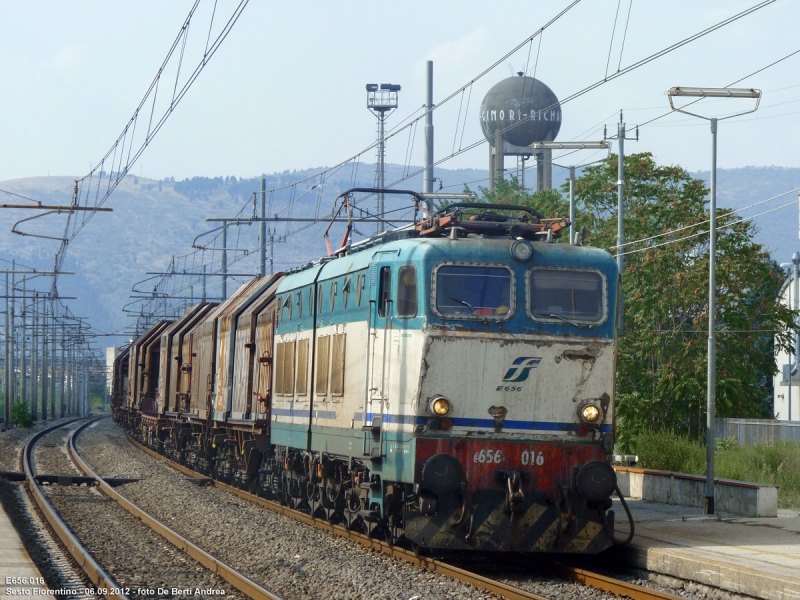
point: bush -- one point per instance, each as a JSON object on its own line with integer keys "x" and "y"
{"x": 20, "y": 415}
{"x": 668, "y": 451}
{"x": 774, "y": 464}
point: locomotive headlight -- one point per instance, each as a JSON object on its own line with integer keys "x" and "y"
{"x": 521, "y": 250}
{"x": 590, "y": 413}
{"x": 440, "y": 406}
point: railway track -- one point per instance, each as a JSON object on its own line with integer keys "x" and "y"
{"x": 583, "y": 576}
{"x": 105, "y": 583}
{"x": 98, "y": 576}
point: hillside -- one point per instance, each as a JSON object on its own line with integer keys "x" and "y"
{"x": 153, "y": 220}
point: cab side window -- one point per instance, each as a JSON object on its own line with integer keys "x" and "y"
{"x": 384, "y": 291}
{"x": 407, "y": 292}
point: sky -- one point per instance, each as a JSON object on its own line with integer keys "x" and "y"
{"x": 286, "y": 89}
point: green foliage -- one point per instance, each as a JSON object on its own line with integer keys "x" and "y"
{"x": 661, "y": 367}
{"x": 661, "y": 381}
{"x": 95, "y": 403}
{"x": 20, "y": 415}
{"x": 668, "y": 451}
{"x": 775, "y": 464}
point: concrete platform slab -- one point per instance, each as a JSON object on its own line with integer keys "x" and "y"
{"x": 18, "y": 575}
{"x": 759, "y": 557}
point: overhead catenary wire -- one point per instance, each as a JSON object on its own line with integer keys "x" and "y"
{"x": 705, "y": 222}
{"x": 625, "y": 35}
{"x": 73, "y": 228}
{"x": 461, "y": 90}
{"x": 577, "y": 94}
{"x": 764, "y": 68}
{"x": 700, "y": 233}
{"x": 613, "y": 31}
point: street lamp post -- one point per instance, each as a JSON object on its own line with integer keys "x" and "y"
{"x": 696, "y": 92}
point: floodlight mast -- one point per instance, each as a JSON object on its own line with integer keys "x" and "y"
{"x": 380, "y": 101}
{"x": 698, "y": 92}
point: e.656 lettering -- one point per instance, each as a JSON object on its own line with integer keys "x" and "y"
{"x": 488, "y": 456}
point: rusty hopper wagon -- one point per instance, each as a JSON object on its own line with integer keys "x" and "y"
{"x": 448, "y": 385}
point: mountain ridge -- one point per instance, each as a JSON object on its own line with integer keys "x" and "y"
{"x": 156, "y": 219}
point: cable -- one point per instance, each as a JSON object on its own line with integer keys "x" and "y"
{"x": 613, "y": 31}
{"x": 733, "y": 212}
{"x": 20, "y": 196}
{"x": 72, "y": 229}
{"x": 585, "y": 90}
{"x": 743, "y": 220}
{"x": 625, "y": 35}
{"x": 727, "y": 86}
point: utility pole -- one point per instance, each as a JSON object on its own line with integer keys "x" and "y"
{"x": 61, "y": 379}
{"x": 224, "y": 268}
{"x": 620, "y": 196}
{"x": 262, "y": 245}
{"x": 23, "y": 367}
{"x": 70, "y": 398}
{"x": 53, "y": 336}
{"x": 272, "y": 251}
{"x": 69, "y": 380}
{"x": 35, "y": 358}
{"x": 428, "y": 178}
{"x": 203, "y": 298}
{"x": 7, "y": 378}
{"x": 12, "y": 381}
{"x": 571, "y": 205}
{"x": 45, "y": 385}
{"x": 85, "y": 371}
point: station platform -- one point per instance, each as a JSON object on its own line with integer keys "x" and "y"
{"x": 758, "y": 557}
{"x": 18, "y": 575}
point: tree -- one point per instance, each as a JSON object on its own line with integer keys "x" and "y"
{"x": 661, "y": 377}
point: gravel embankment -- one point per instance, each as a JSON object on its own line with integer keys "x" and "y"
{"x": 299, "y": 561}
{"x": 12, "y": 442}
{"x": 295, "y": 560}
{"x": 134, "y": 555}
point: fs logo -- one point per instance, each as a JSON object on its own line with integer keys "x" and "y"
{"x": 520, "y": 368}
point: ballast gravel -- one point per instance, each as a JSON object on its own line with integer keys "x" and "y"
{"x": 134, "y": 555}
{"x": 300, "y": 562}
{"x": 295, "y": 560}
{"x": 13, "y": 440}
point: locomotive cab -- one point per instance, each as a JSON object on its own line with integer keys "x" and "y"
{"x": 514, "y": 413}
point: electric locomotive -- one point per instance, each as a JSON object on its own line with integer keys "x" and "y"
{"x": 449, "y": 384}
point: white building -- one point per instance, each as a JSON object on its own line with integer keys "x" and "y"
{"x": 111, "y": 354}
{"x": 784, "y": 410}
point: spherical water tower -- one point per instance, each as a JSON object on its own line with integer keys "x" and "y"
{"x": 519, "y": 111}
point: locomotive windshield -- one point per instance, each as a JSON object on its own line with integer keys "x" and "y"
{"x": 473, "y": 292}
{"x": 574, "y": 296}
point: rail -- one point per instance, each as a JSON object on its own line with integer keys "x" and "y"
{"x": 231, "y": 575}
{"x": 93, "y": 570}
{"x": 595, "y": 580}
